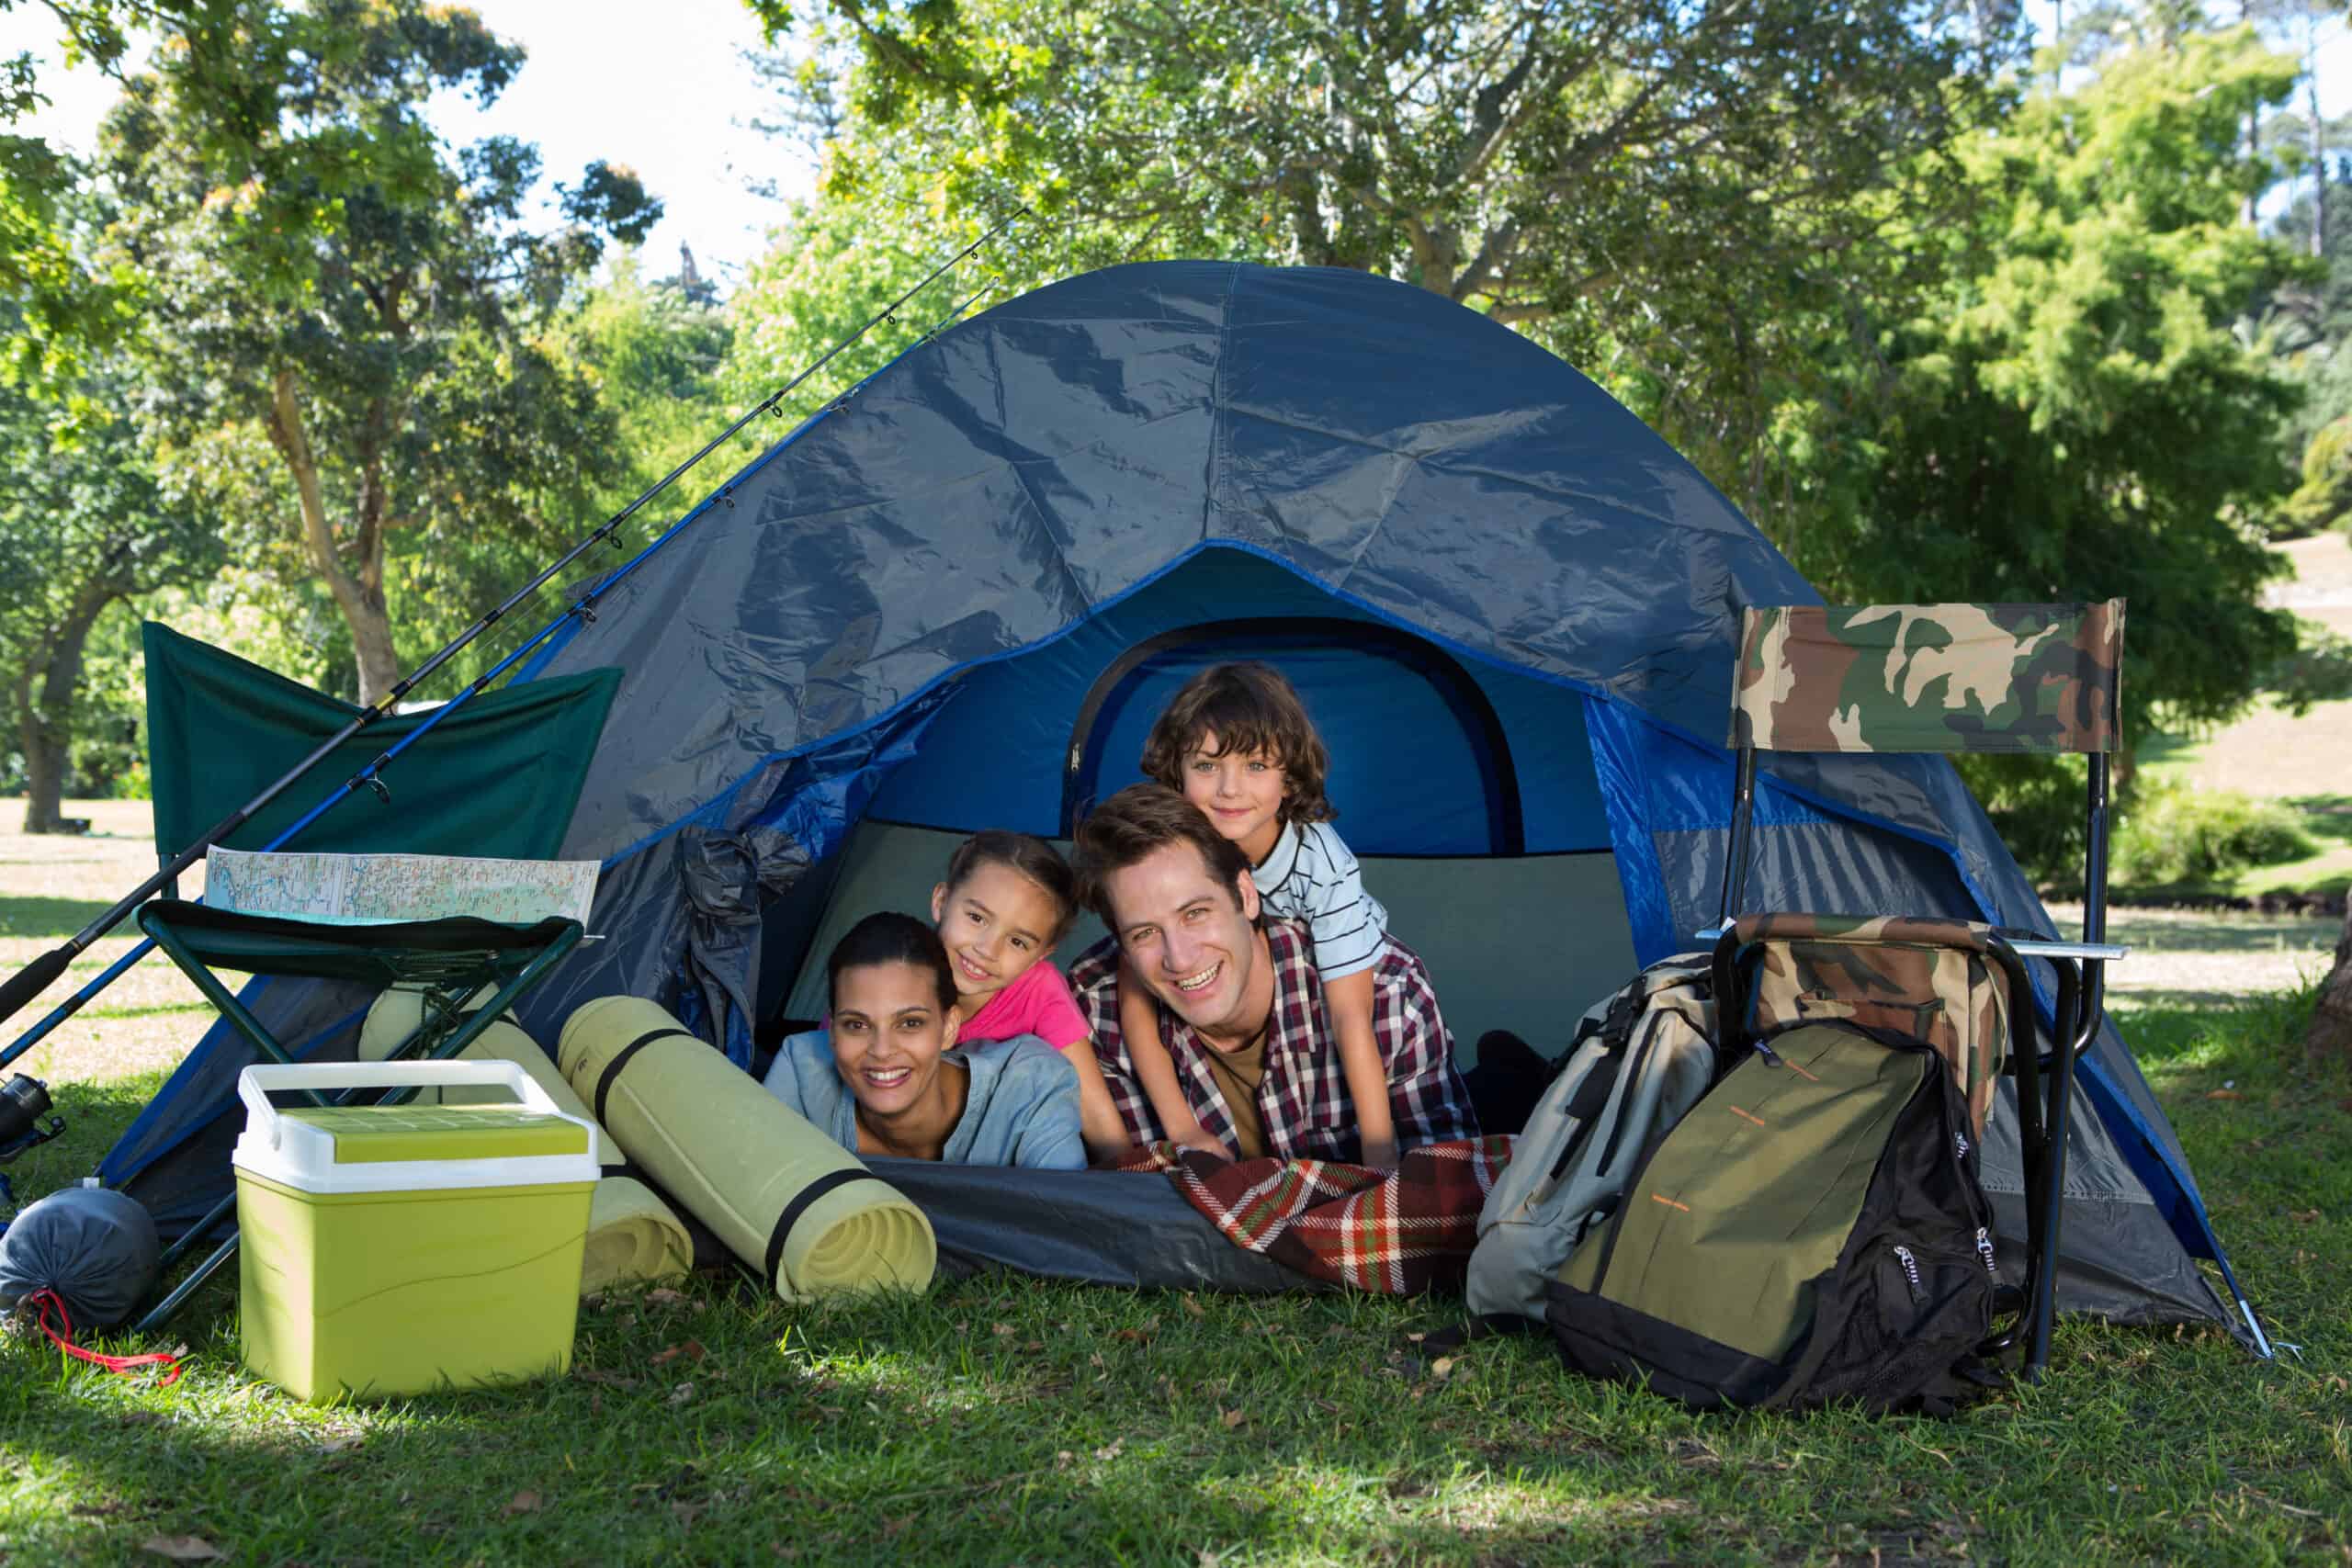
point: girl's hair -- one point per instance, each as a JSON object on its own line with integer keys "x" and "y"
{"x": 1033, "y": 858}
{"x": 891, "y": 939}
{"x": 1249, "y": 707}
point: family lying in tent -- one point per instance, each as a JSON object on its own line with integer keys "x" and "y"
{"x": 1250, "y": 1001}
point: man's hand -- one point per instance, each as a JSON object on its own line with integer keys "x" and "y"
{"x": 1381, "y": 1155}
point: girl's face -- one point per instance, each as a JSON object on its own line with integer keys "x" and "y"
{"x": 887, "y": 1032}
{"x": 994, "y": 924}
{"x": 1241, "y": 791}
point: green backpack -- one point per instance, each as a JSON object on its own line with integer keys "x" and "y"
{"x": 1812, "y": 1230}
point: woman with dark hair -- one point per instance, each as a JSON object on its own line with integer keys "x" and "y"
{"x": 886, "y": 1079}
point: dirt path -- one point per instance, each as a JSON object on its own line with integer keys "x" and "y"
{"x": 2196, "y": 958}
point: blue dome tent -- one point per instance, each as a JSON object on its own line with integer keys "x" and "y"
{"x": 954, "y": 598}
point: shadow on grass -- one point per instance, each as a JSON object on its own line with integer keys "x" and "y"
{"x": 2325, "y": 815}
{"x": 32, "y": 915}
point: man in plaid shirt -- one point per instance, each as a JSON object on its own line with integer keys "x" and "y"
{"x": 1240, "y": 1004}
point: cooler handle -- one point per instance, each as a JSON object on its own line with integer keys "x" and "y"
{"x": 255, "y": 1084}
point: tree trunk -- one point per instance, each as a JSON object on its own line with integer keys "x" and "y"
{"x": 2330, "y": 1031}
{"x": 2319, "y": 140}
{"x": 45, "y": 718}
{"x": 358, "y": 594}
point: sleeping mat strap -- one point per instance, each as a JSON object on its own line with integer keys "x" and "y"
{"x": 612, "y": 1072}
{"x": 800, "y": 1206}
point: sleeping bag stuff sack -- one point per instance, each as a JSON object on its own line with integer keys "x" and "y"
{"x": 393, "y": 1018}
{"x": 784, "y": 1197}
{"x": 1812, "y": 1230}
{"x": 95, "y": 1249}
{"x": 1639, "y": 1060}
{"x": 634, "y": 1238}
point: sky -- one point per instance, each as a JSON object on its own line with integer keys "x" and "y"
{"x": 664, "y": 90}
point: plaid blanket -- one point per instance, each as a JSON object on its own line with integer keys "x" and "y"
{"x": 1400, "y": 1231}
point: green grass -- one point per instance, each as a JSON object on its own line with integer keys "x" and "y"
{"x": 1007, "y": 1420}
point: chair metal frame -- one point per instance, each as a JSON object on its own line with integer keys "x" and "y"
{"x": 2045, "y": 1099}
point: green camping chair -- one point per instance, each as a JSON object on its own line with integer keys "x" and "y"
{"x": 1934, "y": 678}
{"x": 448, "y": 960}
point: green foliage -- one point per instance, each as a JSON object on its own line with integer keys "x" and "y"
{"x": 1651, "y": 189}
{"x": 63, "y": 306}
{"x": 2319, "y": 670}
{"x": 84, "y": 524}
{"x": 2036, "y": 805}
{"x": 2067, "y": 413}
{"x": 356, "y": 335}
{"x": 2324, "y": 498}
{"x": 2172, "y": 834}
{"x": 655, "y": 352}
{"x": 834, "y": 264}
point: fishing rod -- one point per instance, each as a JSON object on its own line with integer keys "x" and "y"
{"x": 36, "y": 975}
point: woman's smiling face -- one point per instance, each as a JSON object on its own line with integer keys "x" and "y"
{"x": 889, "y": 1029}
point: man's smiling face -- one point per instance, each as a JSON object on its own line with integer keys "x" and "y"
{"x": 1191, "y": 938}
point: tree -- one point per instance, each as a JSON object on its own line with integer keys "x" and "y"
{"x": 61, "y": 306}
{"x": 328, "y": 281}
{"x": 2069, "y": 414}
{"x": 1651, "y": 179}
{"x": 81, "y": 527}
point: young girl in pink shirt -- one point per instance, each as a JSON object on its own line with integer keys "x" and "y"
{"x": 1008, "y": 899}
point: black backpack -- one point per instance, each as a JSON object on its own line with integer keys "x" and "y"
{"x": 1813, "y": 1230}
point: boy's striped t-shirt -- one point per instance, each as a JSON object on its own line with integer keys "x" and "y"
{"x": 1311, "y": 876}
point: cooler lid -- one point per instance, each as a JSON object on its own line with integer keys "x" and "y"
{"x": 371, "y": 1134}
{"x": 407, "y": 1148}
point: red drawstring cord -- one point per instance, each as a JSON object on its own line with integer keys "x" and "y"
{"x": 62, "y": 1337}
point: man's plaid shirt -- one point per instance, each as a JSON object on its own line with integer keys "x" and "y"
{"x": 1303, "y": 1101}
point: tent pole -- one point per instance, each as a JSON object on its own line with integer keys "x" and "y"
{"x": 37, "y": 977}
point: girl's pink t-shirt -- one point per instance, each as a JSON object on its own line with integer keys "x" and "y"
{"x": 1038, "y": 1003}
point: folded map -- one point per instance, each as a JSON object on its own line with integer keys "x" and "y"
{"x": 374, "y": 889}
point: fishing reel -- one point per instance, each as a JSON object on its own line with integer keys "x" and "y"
{"x": 23, "y": 1102}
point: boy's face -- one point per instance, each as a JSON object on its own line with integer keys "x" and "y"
{"x": 1241, "y": 792}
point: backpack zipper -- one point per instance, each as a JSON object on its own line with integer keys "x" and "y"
{"x": 1984, "y": 1251}
{"x": 1911, "y": 1273}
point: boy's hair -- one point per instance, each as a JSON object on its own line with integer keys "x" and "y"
{"x": 1138, "y": 820}
{"x": 1033, "y": 858}
{"x": 1249, "y": 707}
{"x": 888, "y": 938}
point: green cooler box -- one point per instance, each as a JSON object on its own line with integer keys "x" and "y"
{"x": 395, "y": 1249}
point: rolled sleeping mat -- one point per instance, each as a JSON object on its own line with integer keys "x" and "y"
{"x": 633, "y": 1237}
{"x": 784, "y": 1197}
{"x": 393, "y": 1017}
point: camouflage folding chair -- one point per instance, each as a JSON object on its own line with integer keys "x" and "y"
{"x": 1938, "y": 678}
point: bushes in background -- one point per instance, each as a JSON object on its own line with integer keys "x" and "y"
{"x": 2168, "y": 834}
